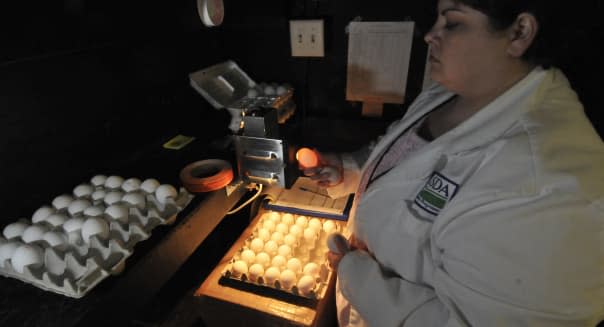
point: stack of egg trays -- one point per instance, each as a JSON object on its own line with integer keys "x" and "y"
{"x": 74, "y": 268}
{"x": 320, "y": 258}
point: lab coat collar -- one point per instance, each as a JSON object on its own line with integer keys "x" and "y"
{"x": 488, "y": 124}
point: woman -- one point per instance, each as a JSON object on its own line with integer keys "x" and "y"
{"x": 484, "y": 205}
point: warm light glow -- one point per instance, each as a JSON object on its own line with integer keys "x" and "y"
{"x": 307, "y": 158}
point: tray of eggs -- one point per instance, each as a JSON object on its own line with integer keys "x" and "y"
{"x": 286, "y": 253}
{"x": 72, "y": 244}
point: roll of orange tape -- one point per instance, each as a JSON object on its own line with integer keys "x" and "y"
{"x": 206, "y": 175}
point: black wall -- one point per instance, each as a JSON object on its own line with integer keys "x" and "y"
{"x": 91, "y": 86}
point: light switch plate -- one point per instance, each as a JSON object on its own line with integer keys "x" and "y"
{"x": 306, "y": 38}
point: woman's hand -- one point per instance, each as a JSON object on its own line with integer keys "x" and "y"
{"x": 353, "y": 244}
{"x": 329, "y": 171}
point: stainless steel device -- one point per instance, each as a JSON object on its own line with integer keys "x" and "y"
{"x": 256, "y": 112}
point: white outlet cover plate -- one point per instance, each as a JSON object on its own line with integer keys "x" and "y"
{"x": 306, "y": 38}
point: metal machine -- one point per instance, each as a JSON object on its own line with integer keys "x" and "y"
{"x": 256, "y": 112}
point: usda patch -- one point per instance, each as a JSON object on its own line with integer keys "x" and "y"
{"x": 436, "y": 193}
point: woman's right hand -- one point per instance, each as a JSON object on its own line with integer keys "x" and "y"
{"x": 329, "y": 171}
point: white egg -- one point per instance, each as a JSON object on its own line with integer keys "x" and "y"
{"x": 41, "y": 214}
{"x": 252, "y": 93}
{"x": 33, "y": 233}
{"x": 118, "y": 212}
{"x": 83, "y": 190}
{"x": 271, "y": 275}
{"x": 73, "y": 224}
{"x": 114, "y": 182}
{"x": 7, "y": 250}
{"x": 295, "y": 265}
{"x": 27, "y": 255}
{"x": 296, "y": 231}
{"x": 311, "y": 269}
{"x": 287, "y": 219}
{"x": 285, "y": 251}
{"x": 275, "y": 217}
{"x": 281, "y": 90}
{"x": 131, "y": 185}
{"x": 248, "y": 256}
{"x": 315, "y": 224}
{"x": 15, "y": 229}
{"x": 94, "y": 211}
{"x": 98, "y": 195}
{"x": 257, "y": 245}
{"x": 279, "y": 262}
{"x": 269, "y": 90}
{"x": 98, "y": 180}
{"x": 62, "y": 201}
{"x": 113, "y": 197}
{"x": 165, "y": 192}
{"x": 78, "y": 206}
{"x": 306, "y": 284}
{"x": 135, "y": 200}
{"x": 94, "y": 226}
{"x": 150, "y": 185}
{"x": 282, "y": 228}
{"x": 269, "y": 225}
{"x": 329, "y": 226}
{"x": 255, "y": 271}
{"x": 277, "y": 237}
{"x": 56, "y": 219}
{"x": 310, "y": 235}
{"x": 263, "y": 258}
{"x": 264, "y": 234}
{"x": 271, "y": 247}
{"x": 290, "y": 240}
{"x": 54, "y": 238}
{"x": 302, "y": 221}
{"x": 287, "y": 279}
{"x": 239, "y": 268}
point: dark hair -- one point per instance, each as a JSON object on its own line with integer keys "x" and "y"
{"x": 502, "y": 13}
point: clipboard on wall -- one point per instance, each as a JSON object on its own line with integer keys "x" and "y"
{"x": 378, "y": 63}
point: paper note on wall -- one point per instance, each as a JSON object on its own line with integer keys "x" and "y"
{"x": 378, "y": 61}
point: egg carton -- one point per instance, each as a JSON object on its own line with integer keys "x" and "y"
{"x": 285, "y": 253}
{"x": 70, "y": 246}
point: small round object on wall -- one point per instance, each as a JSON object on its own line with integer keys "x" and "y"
{"x": 211, "y": 12}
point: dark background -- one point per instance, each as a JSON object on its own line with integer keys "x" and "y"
{"x": 94, "y": 86}
{"x": 97, "y": 86}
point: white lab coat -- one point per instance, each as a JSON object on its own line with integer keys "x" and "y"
{"x": 519, "y": 239}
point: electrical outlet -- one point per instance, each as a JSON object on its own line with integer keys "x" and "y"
{"x": 306, "y": 38}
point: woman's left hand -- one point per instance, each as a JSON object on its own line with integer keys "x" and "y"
{"x": 334, "y": 259}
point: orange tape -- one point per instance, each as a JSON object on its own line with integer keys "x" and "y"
{"x": 206, "y": 175}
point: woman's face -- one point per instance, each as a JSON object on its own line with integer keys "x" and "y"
{"x": 464, "y": 51}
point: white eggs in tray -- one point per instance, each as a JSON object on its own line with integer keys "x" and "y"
{"x": 83, "y": 190}
{"x": 285, "y": 252}
{"x": 62, "y": 201}
{"x": 150, "y": 185}
{"x": 41, "y": 214}
{"x": 131, "y": 185}
{"x": 14, "y": 230}
{"x": 72, "y": 244}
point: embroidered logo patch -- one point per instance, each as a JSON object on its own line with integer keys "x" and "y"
{"x": 436, "y": 193}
